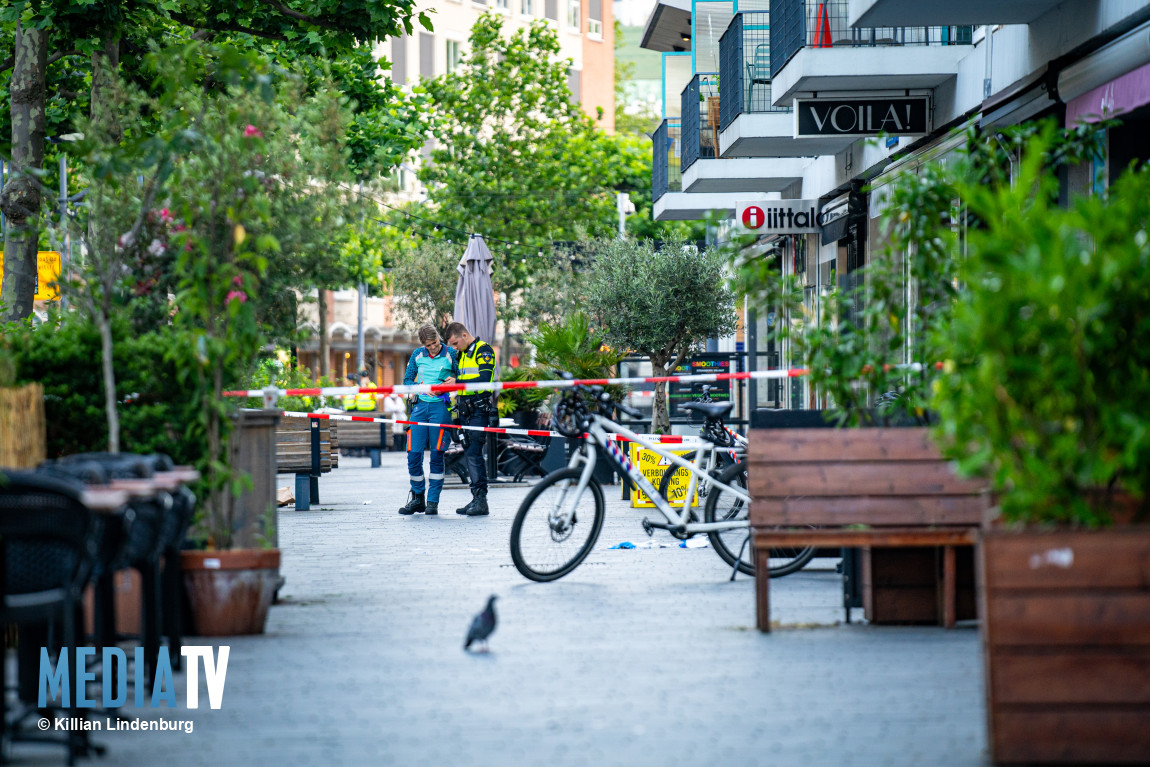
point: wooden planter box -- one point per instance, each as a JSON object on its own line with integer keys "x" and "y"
{"x": 1066, "y": 636}
{"x": 22, "y": 426}
{"x": 887, "y": 491}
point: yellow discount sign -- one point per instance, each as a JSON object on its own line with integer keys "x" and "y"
{"x": 653, "y": 467}
{"x": 47, "y": 273}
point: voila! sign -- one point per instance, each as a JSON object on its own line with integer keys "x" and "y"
{"x": 904, "y": 116}
{"x": 778, "y": 216}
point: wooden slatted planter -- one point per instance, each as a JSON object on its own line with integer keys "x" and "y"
{"x": 1066, "y": 637}
{"x": 888, "y": 491}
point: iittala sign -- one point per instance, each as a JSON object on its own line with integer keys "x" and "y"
{"x": 778, "y": 216}
{"x": 903, "y": 116}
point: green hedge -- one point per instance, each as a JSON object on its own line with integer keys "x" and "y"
{"x": 63, "y": 355}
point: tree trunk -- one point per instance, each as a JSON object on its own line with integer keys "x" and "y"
{"x": 660, "y": 419}
{"x": 21, "y": 198}
{"x": 324, "y": 354}
{"x": 105, "y": 325}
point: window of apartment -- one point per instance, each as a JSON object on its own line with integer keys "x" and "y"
{"x": 480, "y": 2}
{"x": 503, "y": 5}
{"x": 595, "y": 19}
{"x": 399, "y": 60}
{"x": 527, "y": 7}
{"x": 573, "y": 11}
{"x": 575, "y": 83}
{"x": 454, "y": 55}
{"x": 426, "y": 54}
{"x": 552, "y": 11}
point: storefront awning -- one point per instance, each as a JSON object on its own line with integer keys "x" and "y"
{"x": 1126, "y": 93}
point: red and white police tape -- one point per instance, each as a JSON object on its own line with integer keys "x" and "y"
{"x": 497, "y": 385}
{"x": 667, "y": 439}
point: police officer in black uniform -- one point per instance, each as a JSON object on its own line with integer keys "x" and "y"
{"x": 475, "y": 364}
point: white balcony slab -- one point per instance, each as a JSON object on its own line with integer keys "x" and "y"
{"x": 939, "y": 13}
{"x": 743, "y": 174}
{"x": 668, "y": 28}
{"x": 687, "y": 206}
{"x": 859, "y": 70}
{"x": 772, "y": 134}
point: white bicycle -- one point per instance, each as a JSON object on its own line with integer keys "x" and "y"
{"x": 727, "y": 448}
{"x": 561, "y": 518}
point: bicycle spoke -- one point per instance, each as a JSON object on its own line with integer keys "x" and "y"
{"x": 556, "y": 529}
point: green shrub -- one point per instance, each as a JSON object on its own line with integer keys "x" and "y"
{"x": 274, "y": 372}
{"x": 1047, "y": 377}
{"x": 63, "y": 354}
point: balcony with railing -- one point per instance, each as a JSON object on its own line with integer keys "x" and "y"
{"x": 665, "y": 174}
{"x": 671, "y": 203}
{"x": 700, "y": 115}
{"x": 814, "y": 48}
{"x": 750, "y": 125}
{"x": 879, "y": 13}
{"x": 704, "y": 168}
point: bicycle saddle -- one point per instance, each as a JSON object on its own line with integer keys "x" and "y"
{"x": 709, "y": 409}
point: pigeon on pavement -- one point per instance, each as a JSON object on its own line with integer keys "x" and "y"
{"x": 482, "y": 626}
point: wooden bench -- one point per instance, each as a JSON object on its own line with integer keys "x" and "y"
{"x": 880, "y": 490}
{"x": 308, "y": 448}
{"x": 360, "y": 435}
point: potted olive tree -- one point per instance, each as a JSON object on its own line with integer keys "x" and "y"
{"x": 1045, "y": 392}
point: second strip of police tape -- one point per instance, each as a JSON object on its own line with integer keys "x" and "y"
{"x": 668, "y": 439}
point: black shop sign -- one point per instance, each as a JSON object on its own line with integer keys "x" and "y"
{"x": 682, "y": 392}
{"x": 906, "y": 116}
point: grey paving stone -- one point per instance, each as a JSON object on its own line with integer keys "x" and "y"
{"x": 638, "y": 657}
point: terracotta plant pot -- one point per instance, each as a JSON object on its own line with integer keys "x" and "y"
{"x": 1066, "y": 638}
{"x": 229, "y": 592}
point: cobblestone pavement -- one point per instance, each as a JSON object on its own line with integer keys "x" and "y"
{"x": 638, "y": 657}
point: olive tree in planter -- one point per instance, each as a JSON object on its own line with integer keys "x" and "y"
{"x": 1045, "y": 392}
{"x": 662, "y": 302}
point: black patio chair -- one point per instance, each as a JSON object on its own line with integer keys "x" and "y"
{"x": 156, "y": 533}
{"x": 48, "y": 548}
{"x": 522, "y": 456}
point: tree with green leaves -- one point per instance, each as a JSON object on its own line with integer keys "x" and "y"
{"x": 515, "y": 157}
{"x": 114, "y": 35}
{"x": 662, "y": 302}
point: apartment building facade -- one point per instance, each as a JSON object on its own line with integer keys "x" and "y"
{"x": 586, "y": 31}
{"x": 801, "y": 105}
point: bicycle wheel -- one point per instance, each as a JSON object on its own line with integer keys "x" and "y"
{"x": 731, "y": 544}
{"x": 680, "y": 476}
{"x": 544, "y": 549}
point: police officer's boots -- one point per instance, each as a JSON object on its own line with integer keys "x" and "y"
{"x": 464, "y": 509}
{"x": 478, "y": 505}
{"x": 432, "y": 508}
{"x": 414, "y": 506}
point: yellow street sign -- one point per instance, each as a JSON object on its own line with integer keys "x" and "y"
{"x": 47, "y": 273}
{"x": 653, "y": 466}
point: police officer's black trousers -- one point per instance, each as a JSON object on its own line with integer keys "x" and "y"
{"x": 476, "y": 469}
